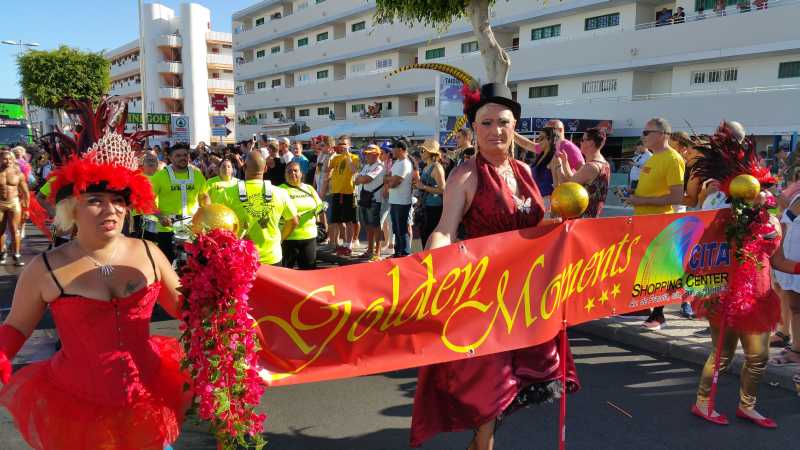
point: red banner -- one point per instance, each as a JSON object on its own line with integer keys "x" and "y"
{"x": 481, "y": 296}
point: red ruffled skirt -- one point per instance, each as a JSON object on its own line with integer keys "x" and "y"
{"x": 762, "y": 317}
{"x": 51, "y": 418}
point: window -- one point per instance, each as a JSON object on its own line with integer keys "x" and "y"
{"x": 434, "y": 53}
{"x": 360, "y": 67}
{"x": 322, "y": 37}
{"x": 789, "y": 69}
{"x": 388, "y": 106}
{"x": 262, "y": 115}
{"x": 708, "y": 5}
{"x": 358, "y": 26}
{"x": 303, "y": 78}
{"x": 260, "y": 53}
{"x": 598, "y": 86}
{"x": 469, "y": 47}
{"x": 277, "y": 114}
{"x": 276, "y": 49}
{"x": 259, "y": 21}
{"x": 215, "y": 76}
{"x": 304, "y": 112}
{"x": 430, "y": 102}
{"x": 729, "y": 75}
{"x": 322, "y": 74}
{"x": 608, "y": 20}
{"x": 543, "y": 91}
{"x": 276, "y": 83}
{"x": 261, "y": 85}
{"x": 302, "y": 42}
{"x": 303, "y": 5}
{"x": 323, "y": 111}
{"x": 546, "y": 32}
{"x": 383, "y": 63}
{"x": 357, "y": 108}
{"x": 320, "y": 1}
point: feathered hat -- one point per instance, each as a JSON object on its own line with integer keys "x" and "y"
{"x": 100, "y": 156}
{"x": 474, "y": 94}
{"x": 724, "y": 157}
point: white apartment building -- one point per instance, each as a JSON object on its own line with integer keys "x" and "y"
{"x": 185, "y": 66}
{"x": 324, "y": 61}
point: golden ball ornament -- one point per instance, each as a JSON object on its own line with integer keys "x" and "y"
{"x": 745, "y": 187}
{"x": 569, "y": 200}
{"x": 213, "y": 217}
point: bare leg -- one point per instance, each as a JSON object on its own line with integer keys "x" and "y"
{"x": 355, "y": 230}
{"x": 333, "y": 236}
{"x": 4, "y": 217}
{"x": 484, "y": 437}
{"x": 14, "y": 224}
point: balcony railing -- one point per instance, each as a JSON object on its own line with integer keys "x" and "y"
{"x": 170, "y": 67}
{"x": 169, "y": 40}
{"x": 220, "y": 84}
{"x": 127, "y": 89}
{"x": 220, "y": 59}
{"x": 219, "y": 36}
{"x": 122, "y": 69}
{"x": 174, "y": 93}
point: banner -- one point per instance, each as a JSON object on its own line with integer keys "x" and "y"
{"x": 450, "y": 105}
{"x": 481, "y": 296}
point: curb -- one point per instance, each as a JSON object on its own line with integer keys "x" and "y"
{"x": 678, "y": 348}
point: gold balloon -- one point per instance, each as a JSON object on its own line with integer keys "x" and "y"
{"x": 745, "y": 187}
{"x": 569, "y": 200}
{"x": 215, "y": 216}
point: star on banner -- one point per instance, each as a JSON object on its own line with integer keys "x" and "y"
{"x": 603, "y": 298}
{"x": 589, "y": 305}
{"x": 615, "y": 291}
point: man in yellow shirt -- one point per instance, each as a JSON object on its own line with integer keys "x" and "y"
{"x": 343, "y": 168}
{"x": 260, "y": 206}
{"x": 660, "y": 186}
{"x": 178, "y": 188}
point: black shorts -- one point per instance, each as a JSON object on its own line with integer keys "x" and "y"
{"x": 343, "y": 208}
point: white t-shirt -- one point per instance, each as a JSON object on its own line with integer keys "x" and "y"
{"x": 638, "y": 162}
{"x": 319, "y": 176}
{"x": 401, "y": 195}
{"x": 376, "y": 172}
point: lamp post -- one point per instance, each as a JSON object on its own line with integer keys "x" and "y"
{"x": 22, "y": 44}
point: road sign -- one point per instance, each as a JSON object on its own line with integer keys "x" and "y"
{"x": 180, "y": 128}
{"x": 152, "y": 118}
{"x": 220, "y": 121}
{"x": 219, "y": 102}
{"x": 224, "y": 131}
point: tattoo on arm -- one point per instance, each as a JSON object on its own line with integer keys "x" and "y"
{"x": 131, "y": 287}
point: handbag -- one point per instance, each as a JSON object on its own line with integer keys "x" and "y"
{"x": 365, "y": 198}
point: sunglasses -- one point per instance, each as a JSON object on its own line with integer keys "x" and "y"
{"x": 647, "y": 132}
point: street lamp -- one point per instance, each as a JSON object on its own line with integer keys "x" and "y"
{"x": 22, "y": 44}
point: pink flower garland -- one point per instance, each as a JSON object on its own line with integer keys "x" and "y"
{"x": 219, "y": 338}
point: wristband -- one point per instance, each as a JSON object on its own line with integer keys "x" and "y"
{"x": 11, "y": 341}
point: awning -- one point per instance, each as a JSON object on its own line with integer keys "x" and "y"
{"x": 379, "y": 128}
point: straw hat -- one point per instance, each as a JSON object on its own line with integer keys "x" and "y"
{"x": 431, "y": 146}
{"x": 372, "y": 149}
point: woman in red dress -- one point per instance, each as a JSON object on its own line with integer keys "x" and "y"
{"x": 492, "y": 193}
{"x": 111, "y": 385}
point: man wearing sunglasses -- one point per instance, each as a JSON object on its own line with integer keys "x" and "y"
{"x": 660, "y": 186}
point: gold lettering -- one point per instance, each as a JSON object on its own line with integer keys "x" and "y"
{"x": 524, "y": 297}
{"x": 604, "y": 259}
{"x": 553, "y": 288}
{"x": 422, "y": 293}
{"x": 614, "y": 270}
{"x": 630, "y": 249}
{"x": 375, "y": 307}
{"x": 448, "y": 282}
{"x": 587, "y": 269}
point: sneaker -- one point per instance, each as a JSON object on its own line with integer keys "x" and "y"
{"x": 345, "y": 251}
{"x": 705, "y": 332}
{"x": 3, "y": 258}
{"x": 686, "y": 311}
{"x": 18, "y": 260}
{"x": 653, "y": 325}
{"x": 375, "y": 258}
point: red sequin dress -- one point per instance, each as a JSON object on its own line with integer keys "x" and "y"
{"x": 111, "y": 386}
{"x": 465, "y": 394}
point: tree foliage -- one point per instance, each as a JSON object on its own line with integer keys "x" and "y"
{"x": 48, "y": 77}
{"x": 435, "y": 13}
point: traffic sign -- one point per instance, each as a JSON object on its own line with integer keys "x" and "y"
{"x": 180, "y": 128}
{"x": 219, "y": 121}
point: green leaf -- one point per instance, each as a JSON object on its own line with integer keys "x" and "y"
{"x": 48, "y": 77}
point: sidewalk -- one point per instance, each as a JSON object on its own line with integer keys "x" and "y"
{"x": 676, "y": 341}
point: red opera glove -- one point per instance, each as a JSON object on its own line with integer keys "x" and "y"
{"x": 11, "y": 341}
{"x": 796, "y": 269}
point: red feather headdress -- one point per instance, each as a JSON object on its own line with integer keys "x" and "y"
{"x": 100, "y": 156}
{"x": 724, "y": 158}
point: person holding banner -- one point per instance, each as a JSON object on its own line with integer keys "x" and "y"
{"x": 178, "y": 188}
{"x": 749, "y": 308}
{"x": 491, "y": 194}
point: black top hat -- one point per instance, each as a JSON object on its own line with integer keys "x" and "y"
{"x": 494, "y": 93}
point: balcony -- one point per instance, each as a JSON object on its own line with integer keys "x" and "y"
{"x": 300, "y": 21}
{"x": 220, "y": 59}
{"x": 124, "y": 70}
{"x": 220, "y": 86}
{"x": 340, "y": 90}
{"x": 128, "y": 90}
{"x": 170, "y": 67}
{"x": 174, "y": 93}
{"x": 169, "y": 40}
{"x": 764, "y": 110}
{"x": 219, "y": 37}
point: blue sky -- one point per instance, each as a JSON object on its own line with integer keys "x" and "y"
{"x": 86, "y": 24}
